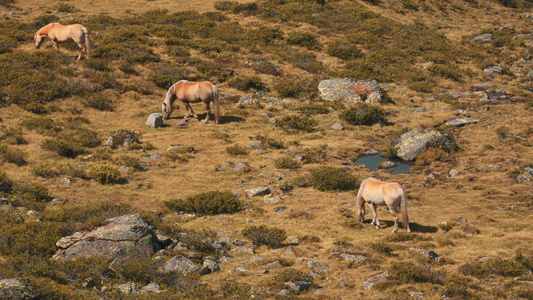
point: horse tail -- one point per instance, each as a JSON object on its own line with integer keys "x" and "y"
{"x": 358, "y": 203}
{"x": 87, "y": 42}
{"x": 405, "y": 217}
{"x": 216, "y": 103}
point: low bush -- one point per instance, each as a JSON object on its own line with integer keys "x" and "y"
{"x": 297, "y": 123}
{"x": 332, "y": 179}
{"x": 382, "y": 248}
{"x": 123, "y": 137}
{"x": 245, "y": 83}
{"x": 181, "y": 154}
{"x": 262, "y": 235}
{"x": 129, "y": 161}
{"x": 42, "y": 125}
{"x": 13, "y": 136}
{"x": 294, "y": 87}
{"x": 236, "y": 150}
{"x": 503, "y": 267}
{"x": 304, "y": 60}
{"x": 286, "y": 162}
{"x": 105, "y": 174}
{"x": 45, "y": 171}
{"x": 236, "y": 290}
{"x": 409, "y": 272}
{"x": 6, "y": 185}
{"x": 208, "y": 203}
{"x": 364, "y": 114}
{"x": 30, "y": 195}
{"x": 10, "y": 155}
{"x": 199, "y": 241}
{"x": 304, "y": 39}
{"x": 289, "y": 274}
{"x": 344, "y": 50}
{"x": 99, "y": 101}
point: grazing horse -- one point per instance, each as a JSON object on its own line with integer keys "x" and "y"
{"x": 192, "y": 92}
{"x": 375, "y": 192}
{"x": 65, "y": 33}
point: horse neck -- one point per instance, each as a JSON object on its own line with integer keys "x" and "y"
{"x": 170, "y": 96}
{"x": 46, "y": 29}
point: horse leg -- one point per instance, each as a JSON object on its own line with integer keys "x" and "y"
{"x": 394, "y": 214}
{"x": 375, "y": 220}
{"x": 189, "y": 109}
{"x": 208, "y": 110}
{"x": 82, "y": 51}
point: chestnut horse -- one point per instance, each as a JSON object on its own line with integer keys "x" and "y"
{"x": 65, "y": 33}
{"x": 375, "y": 192}
{"x": 192, "y": 92}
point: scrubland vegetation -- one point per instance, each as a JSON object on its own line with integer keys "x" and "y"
{"x": 77, "y": 130}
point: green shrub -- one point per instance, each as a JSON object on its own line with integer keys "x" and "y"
{"x": 382, "y": 248}
{"x": 289, "y": 274}
{"x": 295, "y": 87}
{"x": 13, "y": 136}
{"x": 332, "y": 179}
{"x": 66, "y": 8}
{"x": 99, "y": 101}
{"x": 344, "y": 50}
{"x": 42, "y": 125}
{"x": 286, "y": 162}
{"x": 262, "y": 235}
{"x": 236, "y": 290}
{"x": 31, "y": 238}
{"x": 456, "y": 286}
{"x": 296, "y": 123}
{"x": 7, "y": 3}
{"x": 6, "y": 185}
{"x": 305, "y": 39}
{"x": 208, "y": 203}
{"x": 246, "y": 83}
{"x": 37, "y": 108}
{"x": 199, "y": 241}
{"x": 409, "y": 272}
{"x": 268, "y": 142}
{"x": 237, "y": 150}
{"x": 10, "y": 155}
{"x": 364, "y": 114}
{"x": 105, "y": 174}
{"x": 446, "y": 71}
{"x": 45, "y": 171}
{"x": 304, "y": 60}
{"x": 129, "y": 161}
{"x": 314, "y": 109}
{"x": 503, "y": 267}
{"x": 166, "y": 75}
{"x": 30, "y": 195}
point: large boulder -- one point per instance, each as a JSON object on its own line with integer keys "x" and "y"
{"x": 155, "y": 120}
{"x": 350, "y": 90}
{"x": 122, "y": 236}
{"x": 415, "y": 142}
{"x": 14, "y": 288}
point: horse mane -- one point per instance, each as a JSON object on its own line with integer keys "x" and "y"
{"x": 169, "y": 95}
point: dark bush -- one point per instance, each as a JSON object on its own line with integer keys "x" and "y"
{"x": 295, "y": 87}
{"x": 503, "y": 267}
{"x": 305, "y": 39}
{"x": 10, "y": 155}
{"x": 409, "y": 272}
{"x": 344, "y": 50}
{"x": 45, "y": 171}
{"x": 236, "y": 290}
{"x": 166, "y": 75}
{"x": 304, "y": 60}
{"x": 286, "y": 162}
{"x": 245, "y": 83}
{"x": 105, "y": 174}
{"x": 296, "y": 123}
{"x": 262, "y": 235}
{"x": 42, "y": 125}
{"x": 208, "y": 203}
{"x": 382, "y": 248}
{"x": 6, "y": 185}
{"x": 199, "y": 241}
{"x": 332, "y": 179}
{"x": 30, "y": 195}
{"x": 268, "y": 142}
{"x": 100, "y": 102}
{"x": 364, "y": 114}
{"x": 237, "y": 150}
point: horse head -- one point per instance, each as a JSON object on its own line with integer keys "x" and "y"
{"x": 38, "y": 40}
{"x": 166, "y": 110}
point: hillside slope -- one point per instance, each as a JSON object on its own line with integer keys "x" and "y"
{"x": 470, "y": 206}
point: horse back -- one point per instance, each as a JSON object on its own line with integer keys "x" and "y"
{"x": 194, "y": 91}
{"x": 379, "y": 191}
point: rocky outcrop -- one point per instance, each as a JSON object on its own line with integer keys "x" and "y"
{"x": 350, "y": 90}
{"x": 14, "y": 288}
{"x": 415, "y": 142}
{"x": 122, "y": 236}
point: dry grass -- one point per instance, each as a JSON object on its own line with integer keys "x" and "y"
{"x": 490, "y": 201}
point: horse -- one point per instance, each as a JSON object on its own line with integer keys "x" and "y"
{"x": 65, "y": 33}
{"x": 192, "y": 92}
{"x": 375, "y": 192}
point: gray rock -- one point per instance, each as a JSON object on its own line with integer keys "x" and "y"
{"x": 354, "y": 257}
{"x": 150, "y": 288}
{"x": 127, "y": 288}
{"x": 58, "y": 201}
{"x": 317, "y": 266}
{"x": 419, "y": 110}
{"x": 243, "y": 249}
{"x": 370, "y": 282}
{"x": 386, "y": 165}
{"x": 15, "y": 288}
{"x": 270, "y": 199}
{"x": 415, "y": 142}
{"x": 484, "y": 38}
{"x": 350, "y": 90}
{"x": 284, "y": 292}
{"x": 427, "y": 253}
{"x": 492, "y": 72}
{"x": 298, "y": 286}
{"x": 255, "y": 145}
{"x": 239, "y": 270}
{"x": 337, "y": 126}
{"x": 239, "y": 167}
{"x": 155, "y": 120}
{"x": 523, "y": 179}
{"x": 120, "y": 236}
{"x": 257, "y": 191}
{"x": 180, "y": 264}
{"x": 68, "y": 180}
{"x": 458, "y": 122}
{"x": 529, "y": 170}
{"x": 289, "y": 251}
{"x": 153, "y": 156}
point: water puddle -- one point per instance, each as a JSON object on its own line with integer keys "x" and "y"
{"x": 372, "y": 161}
